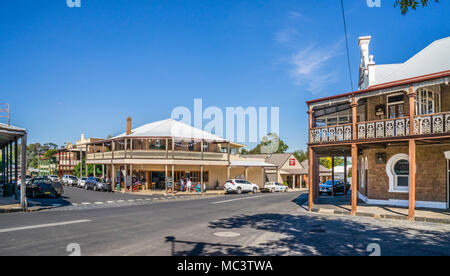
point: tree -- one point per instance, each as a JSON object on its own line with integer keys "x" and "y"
{"x": 282, "y": 148}
{"x": 405, "y": 5}
{"x": 76, "y": 170}
{"x": 327, "y": 163}
{"x": 301, "y": 155}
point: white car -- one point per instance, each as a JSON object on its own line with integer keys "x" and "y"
{"x": 54, "y": 178}
{"x": 240, "y": 186}
{"x": 82, "y": 182}
{"x": 70, "y": 180}
{"x": 273, "y": 187}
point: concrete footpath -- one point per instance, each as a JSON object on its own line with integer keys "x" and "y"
{"x": 340, "y": 205}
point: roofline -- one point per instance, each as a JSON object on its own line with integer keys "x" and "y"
{"x": 386, "y": 85}
{"x": 151, "y": 137}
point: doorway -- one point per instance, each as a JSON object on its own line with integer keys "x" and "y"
{"x": 158, "y": 180}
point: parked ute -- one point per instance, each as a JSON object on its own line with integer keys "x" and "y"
{"x": 82, "y": 182}
{"x": 44, "y": 187}
{"x": 327, "y": 187}
{"x": 272, "y": 187}
{"x": 240, "y": 186}
{"x": 97, "y": 184}
{"x": 70, "y": 180}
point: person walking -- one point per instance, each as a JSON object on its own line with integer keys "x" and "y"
{"x": 182, "y": 184}
{"x": 189, "y": 185}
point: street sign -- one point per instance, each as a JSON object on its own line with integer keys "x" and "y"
{"x": 169, "y": 182}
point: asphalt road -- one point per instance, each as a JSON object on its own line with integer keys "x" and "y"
{"x": 261, "y": 224}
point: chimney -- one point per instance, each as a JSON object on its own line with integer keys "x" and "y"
{"x": 364, "y": 42}
{"x": 128, "y": 125}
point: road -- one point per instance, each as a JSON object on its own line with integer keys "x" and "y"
{"x": 261, "y": 224}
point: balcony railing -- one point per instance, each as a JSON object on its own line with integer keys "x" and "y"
{"x": 159, "y": 154}
{"x": 438, "y": 123}
{"x": 331, "y": 134}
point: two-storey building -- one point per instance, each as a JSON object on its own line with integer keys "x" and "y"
{"x": 396, "y": 128}
{"x": 169, "y": 148}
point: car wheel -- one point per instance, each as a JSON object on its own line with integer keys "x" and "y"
{"x": 239, "y": 191}
{"x": 255, "y": 190}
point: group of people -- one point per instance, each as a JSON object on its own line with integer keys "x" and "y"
{"x": 186, "y": 183}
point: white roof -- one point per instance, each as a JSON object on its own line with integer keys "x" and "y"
{"x": 239, "y": 163}
{"x": 433, "y": 59}
{"x": 173, "y": 129}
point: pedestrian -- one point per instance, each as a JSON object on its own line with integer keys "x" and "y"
{"x": 182, "y": 184}
{"x": 189, "y": 185}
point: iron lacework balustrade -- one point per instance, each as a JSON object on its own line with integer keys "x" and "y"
{"x": 431, "y": 124}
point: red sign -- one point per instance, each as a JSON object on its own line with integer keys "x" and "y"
{"x": 292, "y": 162}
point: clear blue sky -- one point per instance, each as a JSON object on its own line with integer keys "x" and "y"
{"x": 84, "y": 70}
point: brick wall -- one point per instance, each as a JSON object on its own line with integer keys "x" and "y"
{"x": 431, "y": 177}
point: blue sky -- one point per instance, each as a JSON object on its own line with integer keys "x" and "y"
{"x": 84, "y": 70}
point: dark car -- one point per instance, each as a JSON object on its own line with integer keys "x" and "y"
{"x": 327, "y": 187}
{"x": 44, "y": 187}
{"x": 96, "y": 184}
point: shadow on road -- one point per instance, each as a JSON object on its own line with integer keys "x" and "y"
{"x": 306, "y": 234}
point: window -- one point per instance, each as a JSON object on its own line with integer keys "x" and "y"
{"x": 396, "y": 106}
{"x": 428, "y": 101}
{"x": 397, "y": 169}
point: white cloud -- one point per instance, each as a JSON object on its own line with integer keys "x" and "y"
{"x": 311, "y": 66}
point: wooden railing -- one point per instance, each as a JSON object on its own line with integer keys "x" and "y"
{"x": 438, "y": 123}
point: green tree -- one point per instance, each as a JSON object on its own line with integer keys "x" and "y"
{"x": 405, "y": 5}
{"x": 76, "y": 170}
{"x": 327, "y": 163}
{"x": 282, "y": 148}
{"x": 301, "y": 155}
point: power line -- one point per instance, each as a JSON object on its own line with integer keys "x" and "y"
{"x": 346, "y": 42}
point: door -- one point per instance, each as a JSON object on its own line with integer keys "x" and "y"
{"x": 396, "y": 111}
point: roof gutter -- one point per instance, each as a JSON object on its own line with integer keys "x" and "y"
{"x": 387, "y": 85}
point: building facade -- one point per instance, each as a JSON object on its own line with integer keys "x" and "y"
{"x": 166, "y": 149}
{"x": 395, "y": 128}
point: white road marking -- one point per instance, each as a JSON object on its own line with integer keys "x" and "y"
{"x": 43, "y": 225}
{"x": 131, "y": 200}
{"x": 236, "y": 199}
{"x": 120, "y": 201}
{"x": 98, "y": 203}
{"x": 86, "y": 203}
{"x": 148, "y": 199}
{"x": 111, "y": 201}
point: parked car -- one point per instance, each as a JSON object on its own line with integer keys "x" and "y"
{"x": 272, "y": 187}
{"x": 69, "y": 180}
{"x": 240, "y": 186}
{"x": 82, "y": 182}
{"x": 97, "y": 184}
{"x": 54, "y": 178}
{"x": 327, "y": 188}
{"x": 43, "y": 186}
